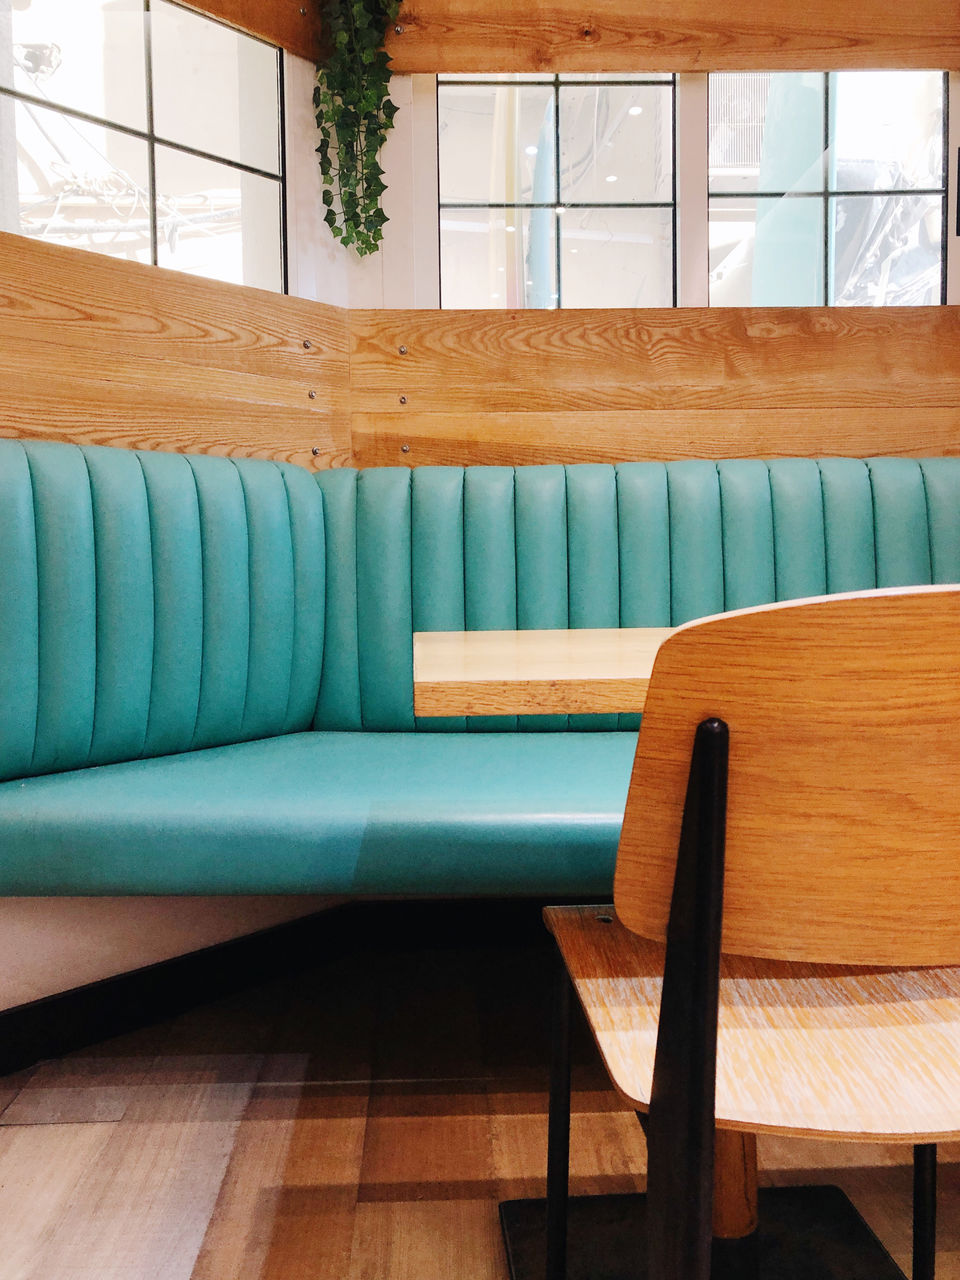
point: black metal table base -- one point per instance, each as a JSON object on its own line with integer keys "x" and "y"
{"x": 805, "y": 1233}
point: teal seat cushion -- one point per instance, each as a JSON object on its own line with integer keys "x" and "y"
{"x": 329, "y": 812}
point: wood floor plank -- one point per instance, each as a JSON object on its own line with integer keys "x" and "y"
{"x": 40, "y": 1169}
{"x": 233, "y": 1165}
{"x": 141, "y": 1208}
{"x": 433, "y": 1240}
{"x": 427, "y": 1141}
{"x": 264, "y": 1223}
{"x": 607, "y": 1148}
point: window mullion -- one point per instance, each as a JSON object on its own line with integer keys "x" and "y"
{"x": 692, "y": 207}
{"x": 151, "y": 135}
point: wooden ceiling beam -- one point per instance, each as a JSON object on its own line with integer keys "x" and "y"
{"x": 473, "y": 36}
{"x": 294, "y": 25}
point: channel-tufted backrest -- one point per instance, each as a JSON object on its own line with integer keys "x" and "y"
{"x": 641, "y": 544}
{"x": 153, "y": 603}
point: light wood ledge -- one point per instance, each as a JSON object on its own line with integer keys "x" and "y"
{"x": 480, "y": 673}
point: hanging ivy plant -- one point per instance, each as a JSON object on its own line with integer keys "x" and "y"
{"x": 354, "y": 113}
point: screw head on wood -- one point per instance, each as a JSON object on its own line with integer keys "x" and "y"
{"x": 315, "y": 451}
{"x": 402, "y": 350}
{"x": 312, "y": 395}
{"x": 307, "y": 344}
{"x": 403, "y": 399}
{"x": 404, "y": 448}
{"x": 398, "y": 30}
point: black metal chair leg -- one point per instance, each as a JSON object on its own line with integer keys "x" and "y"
{"x": 680, "y": 1124}
{"x": 558, "y": 1134}
{"x": 924, "y": 1210}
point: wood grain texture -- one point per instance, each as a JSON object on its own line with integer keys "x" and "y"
{"x": 810, "y": 1049}
{"x": 685, "y": 35}
{"x": 294, "y": 25}
{"x": 479, "y": 673}
{"x": 689, "y": 358}
{"x": 111, "y": 352}
{"x": 615, "y": 385}
{"x": 292, "y": 1204}
{"x": 511, "y": 439}
{"x": 843, "y": 810}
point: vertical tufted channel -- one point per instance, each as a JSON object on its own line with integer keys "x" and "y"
{"x": 19, "y": 612}
{"x": 436, "y": 562}
{"x": 152, "y": 603}
{"x": 384, "y": 604}
{"x": 590, "y": 545}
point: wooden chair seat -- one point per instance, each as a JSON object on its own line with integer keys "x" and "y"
{"x": 803, "y": 1048}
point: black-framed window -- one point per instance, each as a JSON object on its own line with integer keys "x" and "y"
{"x": 143, "y": 130}
{"x": 828, "y": 188}
{"x": 820, "y": 188}
{"x": 557, "y": 191}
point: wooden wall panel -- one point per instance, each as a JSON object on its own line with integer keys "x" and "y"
{"x": 292, "y": 24}
{"x": 673, "y": 35}
{"x": 566, "y": 386}
{"x": 97, "y": 349}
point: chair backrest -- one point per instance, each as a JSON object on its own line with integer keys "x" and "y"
{"x": 843, "y": 802}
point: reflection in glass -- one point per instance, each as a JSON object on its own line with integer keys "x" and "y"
{"x": 214, "y": 88}
{"x": 496, "y": 143}
{"x": 84, "y": 54}
{"x": 76, "y": 184}
{"x": 498, "y": 258}
{"x": 616, "y": 143}
{"x": 616, "y": 257}
{"x": 887, "y": 130}
{"x": 216, "y": 221}
{"x": 766, "y": 131}
{"x": 766, "y": 252}
{"x": 886, "y": 250}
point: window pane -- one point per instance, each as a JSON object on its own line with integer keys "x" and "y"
{"x": 616, "y": 257}
{"x": 888, "y": 130}
{"x": 616, "y": 144}
{"x": 85, "y": 54}
{"x": 496, "y": 144}
{"x": 766, "y": 252}
{"x": 214, "y": 89}
{"x": 605, "y": 77}
{"x": 72, "y": 183}
{"x": 501, "y": 78}
{"x": 498, "y": 257}
{"x": 216, "y": 221}
{"x": 886, "y": 250}
{"x": 766, "y": 131}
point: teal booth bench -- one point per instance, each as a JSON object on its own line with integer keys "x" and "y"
{"x": 206, "y": 663}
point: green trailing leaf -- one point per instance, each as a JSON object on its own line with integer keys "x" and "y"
{"x": 354, "y": 114}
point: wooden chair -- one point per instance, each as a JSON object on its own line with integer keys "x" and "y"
{"x": 788, "y": 872}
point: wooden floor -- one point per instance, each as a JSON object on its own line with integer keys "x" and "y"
{"x": 359, "y": 1121}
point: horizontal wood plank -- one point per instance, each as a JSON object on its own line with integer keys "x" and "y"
{"x": 479, "y": 673}
{"x": 98, "y": 350}
{"x": 294, "y": 25}
{"x": 508, "y": 439}
{"x": 682, "y": 35}
{"x": 49, "y": 293}
{"x": 690, "y": 358}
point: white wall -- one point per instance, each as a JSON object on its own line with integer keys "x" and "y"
{"x": 406, "y": 270}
